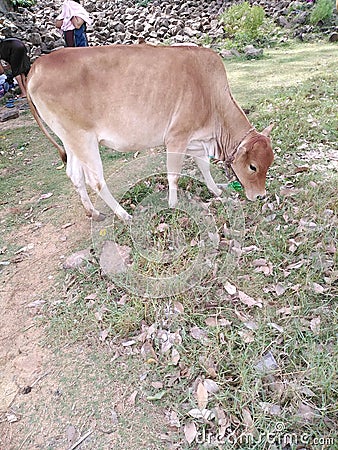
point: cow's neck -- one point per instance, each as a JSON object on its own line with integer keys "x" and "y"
{"x": 234, "y": 129}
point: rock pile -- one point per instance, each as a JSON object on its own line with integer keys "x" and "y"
{"x": 157, "y": 21}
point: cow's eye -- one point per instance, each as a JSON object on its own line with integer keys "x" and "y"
{"x": 253, "y": 168}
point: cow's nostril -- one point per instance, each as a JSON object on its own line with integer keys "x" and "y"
{"x": 261, "y": 197}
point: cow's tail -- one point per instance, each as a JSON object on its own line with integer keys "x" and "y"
{"x": 38, "y": 118}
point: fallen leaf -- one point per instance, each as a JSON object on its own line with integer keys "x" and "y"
{"x": 174, "y": 421}
{"x": 190, "y": 432}
{"x": 11, "y": 417}
{"x": 103, "y": 334}
{"x": 198, "y": 334}
{"x": 249, "y": 301}
{"x": 217, "y": 322}
{"x": 247, "y": 336}
{"x": 205, "y": 414}
{"x": 286, "y": 311}
{"x": 178, "y": 307}
{"x": 315, "y": 325}
{"x": 262, "y": 265}
{"x": 71, "y": 435}
{"x": 211, "y": 386}
{"x": 279, "y": 289}
{"x": 276, "y": 327}
{"x": 317, "y": 288}
{"x": 175, "y": 356}
{"x": 271, "y": 409}
{"x": 306, "y": 412}
{"x": 77, "y": 259}
{"x": 162, "y": 227}
{"x": 114, "y": 417}
{"x": 201, "y": 396}
{"x": 132, "y": 398}
{"x": 247, "y": 420}
{"x": 157, "y": 396}
{"x": 230, "y": 288}
{"x": 45, "y": 196}
{"x": 148, "y": 352}
{"x": 267, "y": 363}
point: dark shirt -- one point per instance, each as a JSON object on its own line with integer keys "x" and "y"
{"x": 14, "y": 52}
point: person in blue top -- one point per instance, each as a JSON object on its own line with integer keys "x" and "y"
{"x": 73, "y": 21}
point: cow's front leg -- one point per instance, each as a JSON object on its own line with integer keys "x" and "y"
{"x": 174, "y": 167}
{"x": 203, "y": 164}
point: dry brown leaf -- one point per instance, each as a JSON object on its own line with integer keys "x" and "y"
{"x": 148, "y": 352}
{"x": 222, "y": 421}
{"x": 131, "y": 400}
{"x": 306, "y": 412}
{"x": 201, "y": 396}
{"x": 103, "y": 334}
{"x": 317, "y": 288}
{"x": 71, "y": 435}
{"x": 190, "y": 432}
{"x": 247, "y": 419}
{"x": 276, "y": 327}
{"x": 271, "y": 409}
{"x": 315, "y": 325}
{"x": 247, "y": 336}
{"x": 279, "y": 289}
{"x": 204, "y": 414}
{"x": 174, "y": 421}
{"x": 230, "y": 288}
{"x": 217, "y": 322}
{"x": 249, "y": 301}
{"x": 175, "y": 356}
{"x": 211, "y": 386}
{"x": 178, "y": 307}
{"x": 286, "y": 311}
{"x": 199, "y": 334}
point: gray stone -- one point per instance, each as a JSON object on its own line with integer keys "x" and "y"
{"x": 114, "y": 258}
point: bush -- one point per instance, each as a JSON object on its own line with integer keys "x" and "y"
{"x": 23, "y": 3}
{"x": 243, "y": 19}
{"x": 322, "y": 11}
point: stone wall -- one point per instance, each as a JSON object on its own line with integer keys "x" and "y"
{"x": 157, "y": 21}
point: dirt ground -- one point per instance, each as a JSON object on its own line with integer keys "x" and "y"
{"x": 23, "y": 360}
{"x": 49, "y": 398}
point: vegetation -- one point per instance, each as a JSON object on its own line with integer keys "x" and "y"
{"x": 322, "y": 11}
{"x": 244, "y": 359}
{"x": 22, "y": 3}
{"x": 244, "y": 24}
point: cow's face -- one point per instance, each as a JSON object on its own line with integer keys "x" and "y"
{"x": 252, "y": 161}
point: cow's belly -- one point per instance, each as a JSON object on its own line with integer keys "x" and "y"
{"x": 131, "y": 140}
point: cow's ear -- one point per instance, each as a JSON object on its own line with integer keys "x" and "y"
{"x": 242, "y": 150}
{"x": 266, "y": 132}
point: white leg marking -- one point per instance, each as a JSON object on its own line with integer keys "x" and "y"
{"x": 203, "y": 164}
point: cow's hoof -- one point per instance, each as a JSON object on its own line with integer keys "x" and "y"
{"x": 127, "y": 219}
{"x": 98, "y": 217}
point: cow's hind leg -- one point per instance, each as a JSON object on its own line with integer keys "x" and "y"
{"x": 90, "y": 171}
{"x": 203, "y": 164}
{"x": 75, "y": 173}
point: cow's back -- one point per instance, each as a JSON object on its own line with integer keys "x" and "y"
{"x": 141, "y": 90}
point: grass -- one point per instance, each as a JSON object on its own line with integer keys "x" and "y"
{"x": 283, "y": 256}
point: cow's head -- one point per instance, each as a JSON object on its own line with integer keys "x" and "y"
{"x": 252, "y": 161}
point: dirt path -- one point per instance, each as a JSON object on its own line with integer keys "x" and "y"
{"x": 24, "y": 282}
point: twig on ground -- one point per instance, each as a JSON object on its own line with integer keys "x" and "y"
{"x": 77, "y": 443}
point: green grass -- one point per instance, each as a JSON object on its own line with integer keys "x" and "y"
{"x": 294, "y": 231}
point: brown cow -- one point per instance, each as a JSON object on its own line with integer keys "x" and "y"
{"x": 132, "y": 97}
